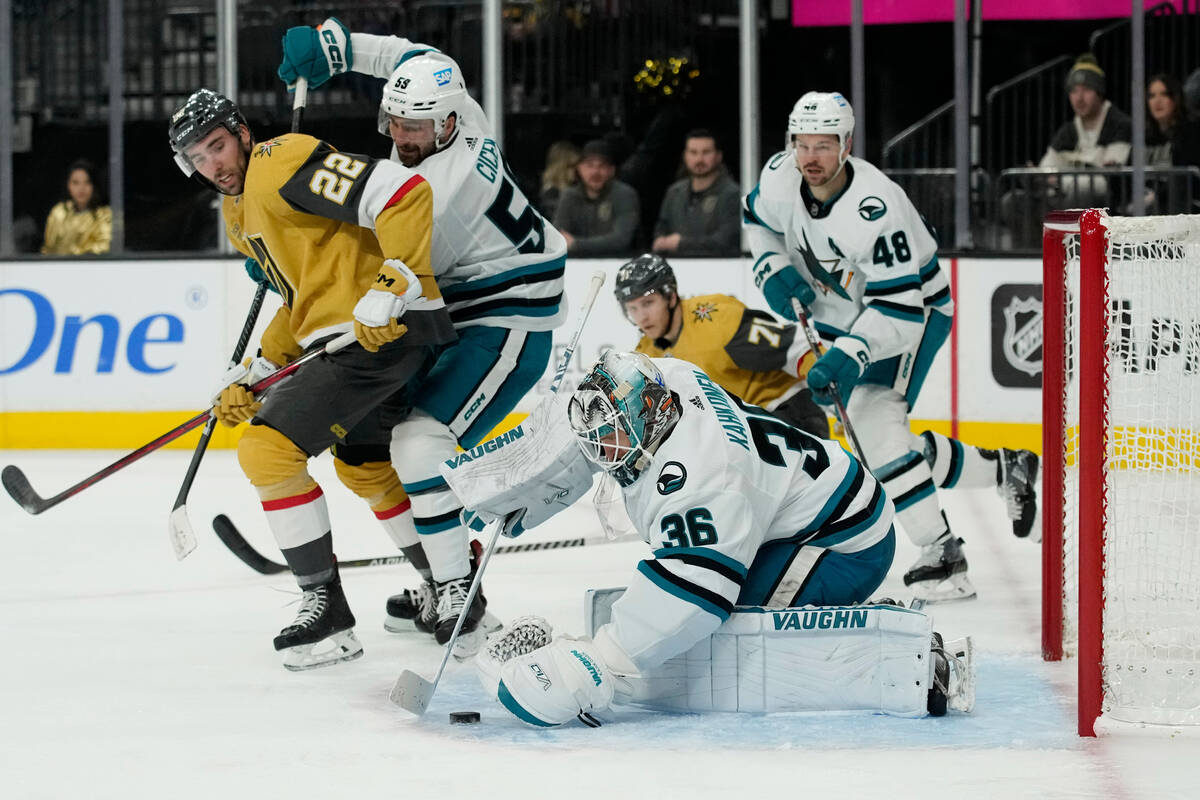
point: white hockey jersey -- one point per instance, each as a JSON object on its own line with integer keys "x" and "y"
{"x": 729, "y": 479}
{"x": 497, "y": 260}
{"x": 867, "y": 253}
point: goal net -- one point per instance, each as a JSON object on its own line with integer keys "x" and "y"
{"x": 1121, "y": 479}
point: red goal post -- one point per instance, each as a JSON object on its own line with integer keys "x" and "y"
{"x": 1121, "y": 464}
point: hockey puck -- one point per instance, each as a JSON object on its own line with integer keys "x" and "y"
{"x": 463, "y": 717}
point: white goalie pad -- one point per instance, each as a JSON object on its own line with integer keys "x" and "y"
{"x": 536, "y": 466}
{"x": 856, "y": 658}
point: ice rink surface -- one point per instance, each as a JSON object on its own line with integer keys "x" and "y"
{"x": 131, "y": 675}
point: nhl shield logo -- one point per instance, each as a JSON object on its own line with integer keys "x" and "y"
{"x": 672, "y": 477}
{"x": 1022, "y": 342}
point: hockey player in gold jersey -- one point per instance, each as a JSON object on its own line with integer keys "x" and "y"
{"x": 746, "y": 351}
{"x": 345, "y": 239}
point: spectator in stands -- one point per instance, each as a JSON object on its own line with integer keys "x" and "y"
{"x": 700, "y": 214}
{"x": 599, "y": 217}
{"x": 80, "y": 224}
{"x": 1172, "y": 140}
{"x": 561, "y": 159}
{"x": 1099, "y": 135}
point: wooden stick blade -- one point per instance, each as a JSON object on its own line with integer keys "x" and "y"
{"x": 411, "y": 692}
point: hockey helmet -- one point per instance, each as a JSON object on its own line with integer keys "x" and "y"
{"x": 428, "y": 86}
{"x": 621, "y": 412}
{"x": 822, "y": 113}
{"x": 645, "y": 274}
{"x": 199, "y": 116}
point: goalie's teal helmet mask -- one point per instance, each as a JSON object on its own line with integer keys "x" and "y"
{"x": 621, "y": 412}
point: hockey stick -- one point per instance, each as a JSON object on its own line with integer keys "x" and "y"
{"x": 179, "y": 527}
{"x": 18, "y": 486}
{"x": 412, "y": 692}
{"x": 228, "y": 533}
{"x": 815, "y": 345}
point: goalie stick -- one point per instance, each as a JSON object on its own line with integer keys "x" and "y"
{"x": 179, "y": 527}
{"x": 815, "y": 345}
{"x": 412, "y": 692}
{"x": 229, "y": 534}
{"x": 19, "y": 488}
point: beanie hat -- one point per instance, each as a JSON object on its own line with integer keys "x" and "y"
{"x": 597, "y": 148}
{"x": 1087, "y": 72}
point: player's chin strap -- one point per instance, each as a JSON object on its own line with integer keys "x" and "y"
{"x": 412, "y": 692}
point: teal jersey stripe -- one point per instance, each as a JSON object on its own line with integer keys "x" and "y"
{"x": 850, "y": 533}
{"x": 518, "y": 710}
{"x": 898, "y": 313}
{"x": 822, "y": 517}
{"x": 905, "y": 282}
{"x": 425, "y": 485}
{"x": 929, "y": 268}
{"x": 428, "y": 530}
{"x": 685, "y": 596}
{"x": 750, "y": 198}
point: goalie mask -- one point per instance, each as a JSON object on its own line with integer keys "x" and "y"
{"x": 621, "y": 413}
{"x": 825, "y": 113}
{"x": 645, "y": 274}
{"x": 424, "y": 87}
{"x": 197, "y": 118}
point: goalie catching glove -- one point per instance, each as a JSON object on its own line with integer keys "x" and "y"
{"x": 376, "y": 316}
{"x": 235, "y": 403}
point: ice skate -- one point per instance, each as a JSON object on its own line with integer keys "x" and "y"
{"x": 451, "y": 598}
{"x": 952, "y": 678}
{"x": 322, "y": 633}
{"x": 1018, "y": 474}
{"x": 413, "y": 610}
{"x": 940, "y": 574}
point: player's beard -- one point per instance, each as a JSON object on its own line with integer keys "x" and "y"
{"x": 239, "y": 171}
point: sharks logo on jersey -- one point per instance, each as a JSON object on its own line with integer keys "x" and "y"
{"x": 830, "y": 279}
{"x": 672, "y": 477}
{"x": 871, "y": 208}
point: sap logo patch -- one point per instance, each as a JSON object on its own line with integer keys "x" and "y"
{"x": 871, "y": 208}
{"x": 443, "y": 76}
{"x": 672, "y": 477}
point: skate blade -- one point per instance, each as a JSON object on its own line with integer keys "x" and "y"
{"x": 961, "y": 694}
{"x": 490, "y": 624}
{"x": 399, "y": 625}
{"x": 411, "y": 692}
{"x": 342, "y": 646}
{"x": 956, "y": 588}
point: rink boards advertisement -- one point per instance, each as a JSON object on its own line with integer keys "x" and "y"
{"x": 102, "y": 353}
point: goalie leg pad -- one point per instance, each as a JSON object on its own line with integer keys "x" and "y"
{"x": 855, "y": 658}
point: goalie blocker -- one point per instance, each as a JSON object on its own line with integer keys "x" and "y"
{"x": 871, "y": 658}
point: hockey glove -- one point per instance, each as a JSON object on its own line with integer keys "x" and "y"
{"x": 376, "y": 315}
{"x": 315, "y": 53}
{"x": 257, "y": 275}
{"x": 843, "y": 364}
{"x": 235, "y": 403}
{"x": 782, "y": 286}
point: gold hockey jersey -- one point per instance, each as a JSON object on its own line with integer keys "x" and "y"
{"x": 320, "y": 224}
{"x": 746, "y": 351}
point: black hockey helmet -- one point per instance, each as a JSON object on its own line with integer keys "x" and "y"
{"x": 644, "y": 274}
{"x": 196, "y": 118}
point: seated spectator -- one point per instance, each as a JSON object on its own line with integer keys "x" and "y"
{"x": 561, "y": 160}
{"x": 80, "y": 224}
{"x": 1099, "y": 135}
{"x": 1172, "y": 140}
{"x": 599, "y": 217}
{"x": 700, "y": 214}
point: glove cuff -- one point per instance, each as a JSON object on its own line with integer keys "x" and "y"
{"x": 856, "y": 348}
{"x": 335, "y": 44}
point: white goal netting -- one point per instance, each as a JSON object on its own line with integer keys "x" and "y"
{"x": 1151, "y": 525}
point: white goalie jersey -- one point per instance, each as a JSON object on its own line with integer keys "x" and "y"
{"x": 868, "y": 254}
{"x": 729, "y": 479}
{"x": 498, "y": 261}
